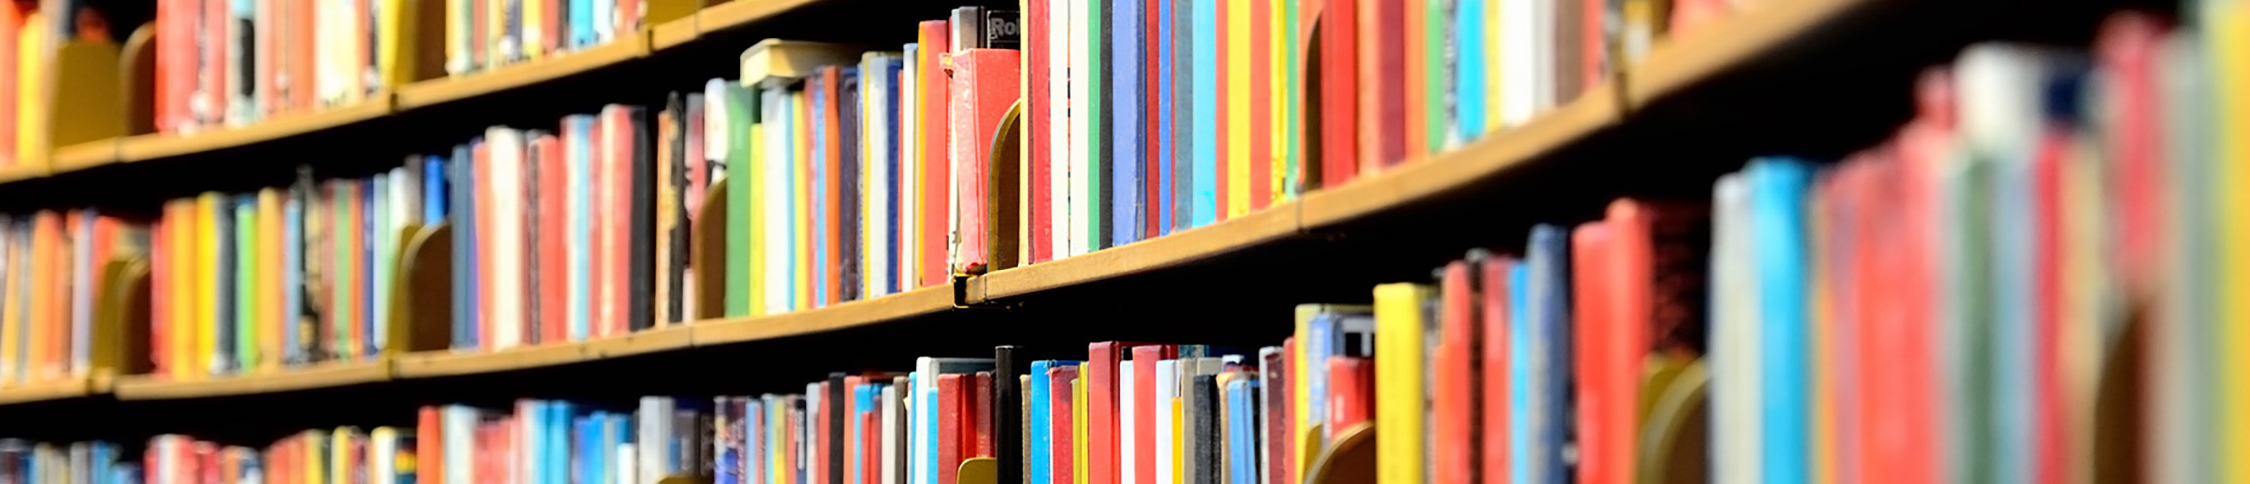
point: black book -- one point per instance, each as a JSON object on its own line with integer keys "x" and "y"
{"x": 640, "y": 306}
{"x": 847, "y": 179}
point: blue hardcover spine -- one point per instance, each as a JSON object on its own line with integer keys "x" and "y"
{"x": 816, "y": 108}
{"x": 434, "y": 190}
{"x": 1548, "y": 257}
{"x": 1777, "y": 193}
{"x": 1042, "y": 438}
{"x": 894, "y": 215}
{"x": 1469, "y": 71}
{"x": 464, "y": 250}
{"x": 581, "y": 23}
{"x": 292, "y": 275}
{"x": 1520, "y": 450}
{"x": 1241, "y": 433}
{"x": 1205, "y": 204}
{"x": 1128, "y": 133}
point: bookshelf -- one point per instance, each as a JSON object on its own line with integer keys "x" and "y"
{"x": 1669, "y": 70}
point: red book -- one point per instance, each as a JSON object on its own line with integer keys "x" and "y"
{"x": 1603, "y": 434}
{"x": 1262, "y": 19}
{"x": 217, "y": 32}
{"x": 303, "y": 56}
{"x": 207, "y": 462}
{"x": 551, "y": 23}
{"x": 936, "y": 162}
{"x": 619, "y": 122}
{"x": 2048, "y": 238}
{"x": 554, "y": 190}
{"x": 356, "y": 239}
{"x": 1351, "y": 392}
{"x": 1455, "y": 453}
{"x": 1593, "y": 50}
{"x": 429, "y": 446}
{"x": 1495, "y": 305}
{"x": 1384, "y": 78}
{"x": 480, "y": 156}
{"x": 821, "y": 457}
{"x": 870, "y": 449}
{"x": 1275, "y": 371}
{"x": 1154, "y": 15}
{"x": 1339, "y": 134}
{"x": 1038, "y": 232}
{"x": 951, "y": 414}
{"x": 1907, "y": 383}
{"x": 831, "y": 223}
{"x": 1144, "y": 409}
{"x": 1102, "y": 419}
{"x": 980, "y": 416}
{"x": 168, "y": 43}
{"x": 1060, "y": 401}
{"x": 984, "y": 85}
{"x": 1219, "y": 199}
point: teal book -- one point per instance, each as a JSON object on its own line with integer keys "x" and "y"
{"x": 777, "y": 182}
{"x": 1469, "y": 69}
{"x": 1778, "y": 190}
{"x": 578, "y": 132}
{"x": 1203, "y": 206}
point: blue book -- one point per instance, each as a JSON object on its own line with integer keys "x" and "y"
{"x": 1129, "y": 135}
{"x": 1205, "y": 203}
{"x": 464, "y": 222}
{"x": 863, "y": 400}
{"x": 585, "y": 430}
{"x": 433, "y": 190}
{"x": 581, "y": 24}
{"x": 1469, "y": 69}
{"x": 559, "y": 415}
{"x": 578, "y": 130}
{"x": 125, "y": 474}
{"x": 1778, "y": 187}
{"x": 1038, "y": 428}
{"x": 1519, "y": 375}
{"x": 1242, "y": 453}
{"x": 894, "y": 216}
{"x": 1547, "y": 259}
{"x": 292, "y": 274}
{"x": 222, "y": 221}
{"x": 617, "y": 429}
{"x": 1161, "y": 94}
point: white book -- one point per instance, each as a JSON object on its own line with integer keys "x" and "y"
{"x": 1735, "y": 342}
{"x": 613, "y": 136}
{"x": 1126, "y": 431}
{"x": 1517, "y": 53}
{"x": 1059, "y": 126}
{"x": 716, "y": 139}
{"x": 910, "y": 169}
{"x": 653, "y": 425}
{"x": 893, "y": 461}
{"x": 1167, "y": 388}
{"x": 379, "y": 242}
{"x": 1081, "y": 131}
{"x": 628, "y": 471}
{"x": 506, "y": 155}
{"x": 382, "y": 454}
{"x": 875, "y": 162}
{"x": 84, "y": 263}
{"x": 776, "y": 175}
{"x": 458, "y": 426}
{"x": 529, "y": 434}
{"x": 577, "y": 145}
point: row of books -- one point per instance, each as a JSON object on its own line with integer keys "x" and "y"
{"x": 222, "y": 63}
{"x": 52, "y": 278}
{"x": 481, "y": 35}
{"x": 30, "y": 34}
{"x": 92, "y": 462}
{"x": 284, "y": 277}
{"x": 2023, "y": 284}
{"x": 344, "y": 455}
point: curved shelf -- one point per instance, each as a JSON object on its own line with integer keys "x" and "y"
{"x": 327, "y": 375}
{"x": 1680, "y": 62}
{"x": 52, "y": 390}
{"x": 449, "y": 89}
{"x": 82, "y": 156}
{"x": 918, "y": 302}
{"x": 154, "y": 146}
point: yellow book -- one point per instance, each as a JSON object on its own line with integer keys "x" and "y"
{"x": 270, "y": 293}
{"x": 1399, "y": 393}
{"x": 2230, "y": 54}
{"x": 396, "y": 46}
{"x": 1237, "y": 108}
{"x": 340, "y": 455}
{"x": 1179, "y": 447}
{"x": 870, "y": 215}
{"x": 315, "y": 462}
{"x": 1300, "y": 389}
{"x": 206, "y": 282}
{"x": 533, "y": 33}
{"x": 1278, "y": 93}
{"x": 1078, "y": 430}
{"x": 1495, "y": 74}
{"x": 180, "y": 296}
{"x": 748, "y": 179}
{"x": 31, "y": 125}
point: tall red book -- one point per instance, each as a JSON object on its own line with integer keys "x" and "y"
{"x": 1219, "y": 198}
{"x": 1604, "y": 439}
{"x": 1060, "y": 418}
{"x": 1454, "y": 394}
{"x": 979, "y": 415}
{"x": 1351, "y": 393}
{"x": 952, "y": 400}
{"x": 429, "y": 444}
{"x": 1101, "y": 375}
{"x": 1037, "y": 234}
{"x": 1338, "y": 35}
{"x": 936, "y": 162}
{"x": 1154, "y": 15}
{"x": 984, "y": 85}
{"x": 1494, "y": 304}
{"x": 1382, "y": 82}
{"x": 553, "y": 191}
{"x": 1145, "y": 409}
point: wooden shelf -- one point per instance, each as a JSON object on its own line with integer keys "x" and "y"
{"x": 83, "y": 155}
{"x": 21, "y": 172}
{"x": 669, "y": 34}
{"x": 154, "y": 146}
{"x": 1461, "y": 168}
{"x": 1274, "y": 223}
{"x": 738, "y": 13}
{"x": 449, "y": 89}
{"x": 430, "y": 364}
{"x": 325, "y": 375}
{"x": 50, "y": 390}
{"x": 669, "y": 338}
{"x": 928, "y": 300}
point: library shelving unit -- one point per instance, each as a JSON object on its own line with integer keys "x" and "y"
{"x": 1707, "y": 95}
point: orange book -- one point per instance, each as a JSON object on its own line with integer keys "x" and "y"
{"x": 1220, "y": 199}
{"x": 832, "y": 222}
{"x": 46, "y": 239}
{"x": 302, "y": 55}
{"x": 273, "y": 319}
{"x": 429, "y": 446}
{"x": 481, "y": 160}
{"x": 1454, "y": 402}
{"x": 553, "y": 325}
{"x": 217, "y": 30}
{"x": 1262, "y": 50}
{"x": 1602, "y": 435}
{"x": 1416, "y": 87}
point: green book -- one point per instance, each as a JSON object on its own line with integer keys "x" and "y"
{"x": 743, "y": 284}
